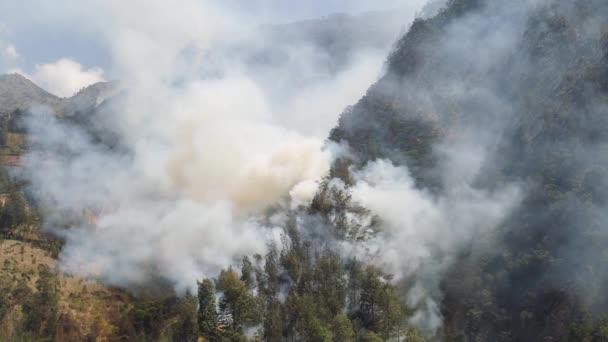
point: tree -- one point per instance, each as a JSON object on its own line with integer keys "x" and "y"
{"x": 373, "y": 337}
{"x": 271, "y": 270}
{"x": 185, "y": 315}
{"x": 272, "y": 322}
{"x": 330, "y": 285}
{"x": 237, "y": 306}
{"x": 393, "y": 312}
{"x": 355, "y": 279}
{"x": 13, "y": 213}
{"x": 207, "y": 311}
{"x": 247, "y": 273}
{"x": 369, "y": 305}
{"x": 310, "y": 327}
{"x": 342, "y": 329}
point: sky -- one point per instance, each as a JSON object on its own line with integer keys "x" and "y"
{"x": 40, "y": 32}
{"x": 290, "y": 10}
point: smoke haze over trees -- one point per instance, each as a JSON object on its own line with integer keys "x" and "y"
{"x": 430, "y": 173}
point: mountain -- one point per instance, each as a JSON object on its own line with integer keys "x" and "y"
{"x": 19, "y": 93}
{"x": 524, "y": 83}
{"x": 89, "y": 98}
{"x": 486, "y": 95}
{"x": 30, "y": 279}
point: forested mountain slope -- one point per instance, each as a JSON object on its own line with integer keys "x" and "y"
{"x": 524, "y": 84}
{"x": 483, "y": 98}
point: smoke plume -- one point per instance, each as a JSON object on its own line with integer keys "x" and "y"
{"x": 214, "y": 127}
{"x": 200, "y": 144}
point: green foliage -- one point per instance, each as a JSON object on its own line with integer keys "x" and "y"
{"x": 14, "y": 208}
{"x": 589, "y": 330}
{"x": 303, "y": 294}
{"x": 380, "y": 309}
{"x": 329, "y": 284}
{"x": 207, "y": 311}
{"x": 273, "y": 322}
{"x": 247, "y": 275}
{"x": 372, "y": 337}
{"x": 183, "y": 321}
{"x": 333, "y": 202}
{"x": 238, "y": 307}
{"x": 148, "y": 315}
{"x": 342, "y": 329}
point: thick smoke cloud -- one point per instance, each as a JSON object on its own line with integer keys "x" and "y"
{"x": 206, "y": 141}
{"x": 422, "y": 233}
{"x": 202, "y": 147}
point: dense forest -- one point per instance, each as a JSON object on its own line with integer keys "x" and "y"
{"x": 525, "y": 82}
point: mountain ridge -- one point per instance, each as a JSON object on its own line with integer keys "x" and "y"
{"x": 19, "y": 93}
{"x": 538, "y": 108}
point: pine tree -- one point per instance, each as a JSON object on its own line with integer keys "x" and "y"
{"x": 355, "y": 279}
{"x": 237, "y": 307}
{"x": 207, "y": 311}
{"x": 369, "y": 306}
{"x": 330, "y": 286}
{"x": 271, "y": 270}
{"x": 273, "y": 322}
{"x": 247, "y": 273}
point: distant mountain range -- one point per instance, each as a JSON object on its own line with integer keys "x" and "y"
{"x": 18, "y": 93}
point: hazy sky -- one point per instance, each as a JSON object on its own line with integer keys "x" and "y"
{"x": 295, "y": 10}
{"x": 44, "y": 31}
{"x": 46, "y": 40}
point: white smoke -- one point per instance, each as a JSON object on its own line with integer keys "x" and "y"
{"x": 421, "y": 232}
{"x": 205, "y": 154}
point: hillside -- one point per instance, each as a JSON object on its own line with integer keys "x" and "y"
{"x": 526, "y": 86}
{"x": 37, "y": 300}
{"x": 19, "y": 93}
{"x": 18, "y": 96}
